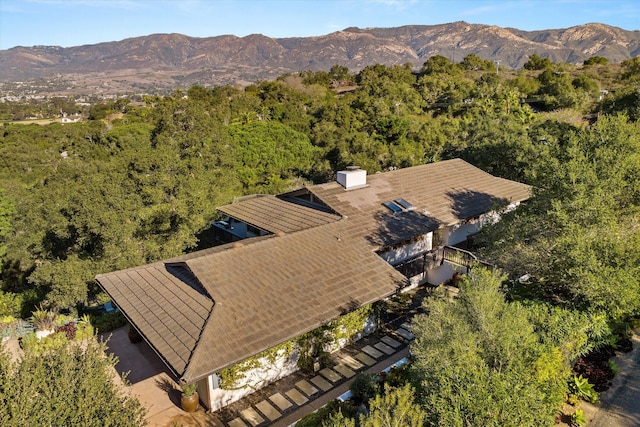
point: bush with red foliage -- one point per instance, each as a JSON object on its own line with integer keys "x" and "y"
{"x": 595, "y": 367}
{"x": 69, "y": 329}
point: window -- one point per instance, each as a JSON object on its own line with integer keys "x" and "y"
{"x": 399, "y": 205}
{"x": 392, "y": 207}
{"x": 405, "y": 205}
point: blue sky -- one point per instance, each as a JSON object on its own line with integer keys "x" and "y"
{"x": 77, "y": 22}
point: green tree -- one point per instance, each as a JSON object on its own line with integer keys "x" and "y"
{"x": 270, "y": 155}
{"x": 439, "y": 64}
{"x": 7, "y": 210}
{"x": 577, "y": 236}
{"x": 631, "y": 69}
{"x": 596, "y": 60}
{"x": 339, "y": 72}
{"x": 536, "y": 62}
{"x": 67, "y": 386}
{"x": 477, "y": 359}
{"x": 474, "y": 62}
{"x": 394, "y": 408}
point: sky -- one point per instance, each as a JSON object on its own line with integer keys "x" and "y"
{"x": 78, "y": 22}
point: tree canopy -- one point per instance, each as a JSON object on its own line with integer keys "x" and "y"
{"x": 127, "y": 189}
{"x": 478, "y": 360}
{"x": 136, "y": 184}
{"x": 67, "y": 386}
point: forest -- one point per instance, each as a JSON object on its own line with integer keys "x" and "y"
{"x": 134, "y": 184}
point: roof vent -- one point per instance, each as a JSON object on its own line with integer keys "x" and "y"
{"x": 353, "y": 177}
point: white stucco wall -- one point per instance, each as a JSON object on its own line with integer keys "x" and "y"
{"x": 457, "y": 233}
{"x": 267, "y": 373}
{"x": 395, "y": 256}
{"x": 254, "y": 379}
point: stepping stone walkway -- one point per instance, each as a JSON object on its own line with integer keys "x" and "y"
{"x": 280, "y": 401}
{"x": 351, "y": 362}
{"x": 237, "y": 423}
{"x": 367, "y": 360}
{"x": 372, "y": 351}
{"x": 297, "y": 397}
{"x": 268, "y": 410}
{"x": 306, "y": 388}
{"x": 321, "y": 383}
{"x": 405, "y": 334}
{"x": 330, "y": 374}
{"x": 390, "y": 341}
{"x": 344, "y": 370}
{"x": 384, "y": 348}
{"x": 252, "y": 416}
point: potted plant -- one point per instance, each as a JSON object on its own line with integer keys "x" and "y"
{"x": 190, "y": 398}
{"x": 134, "y": 335}
{"x": 44, "y": 322}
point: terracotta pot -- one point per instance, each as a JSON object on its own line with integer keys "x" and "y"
{"x": 134, "y": 336}
{"x": 190, "y": 403}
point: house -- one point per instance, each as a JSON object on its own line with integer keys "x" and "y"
{"x": 296, "y": 261}
{"x": 70, "y": 119}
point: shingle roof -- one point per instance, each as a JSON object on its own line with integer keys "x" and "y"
{"x": 275, "y": 215}
{"x": 442, "y": 193}
{"x": 166, "y": 304}
{"x": 209, "y": 309}
{"x": 265, "y": 291}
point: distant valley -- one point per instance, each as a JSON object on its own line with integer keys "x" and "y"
{"x": 160, "y": 63}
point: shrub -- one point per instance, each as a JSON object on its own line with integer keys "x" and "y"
{"x": 84, "y": 329}
{"x": 316, "y": 419}
{"x": 578, "y": 419}
{"x": 69, "y": 330}
{"x": 9, "y": 304}
{"x": 363, "y": 388}
{"x": 108, "y": 322}
{"x": 43, "y": 319}
{"x": 8, "y": 326}
{"x": 31, "y": 343}
{"x": 68, "y": 386}
{"x": 582, "y": 388}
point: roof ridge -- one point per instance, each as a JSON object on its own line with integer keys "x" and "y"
{"x": 202, "y": 331}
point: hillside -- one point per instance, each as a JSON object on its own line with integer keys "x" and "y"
{"x": 171, "y": 60}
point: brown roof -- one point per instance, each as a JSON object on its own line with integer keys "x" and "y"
{"x": 166, "y": 305}
{"x": 265, "y": 291}
{"x": 275, "y": 215}
{"x": 442, "y": 193}
{"x": 207, "y": 310}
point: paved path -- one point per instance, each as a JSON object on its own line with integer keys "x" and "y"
{"x": 335, "y": 392}
{"x": 620, "y": 405}
{"x": 334, "y": 380}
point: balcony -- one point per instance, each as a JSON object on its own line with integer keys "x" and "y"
{"x": 439, "y": 265}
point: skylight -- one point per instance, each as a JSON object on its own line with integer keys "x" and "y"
{"x": 392, "y": 207}
{"x": 405, "y": 205}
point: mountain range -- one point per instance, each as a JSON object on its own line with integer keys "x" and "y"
{"x": 166, "y": 61}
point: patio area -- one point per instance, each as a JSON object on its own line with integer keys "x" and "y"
{"x": 279, "y": 404}
{"x": 151, "y": 382}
